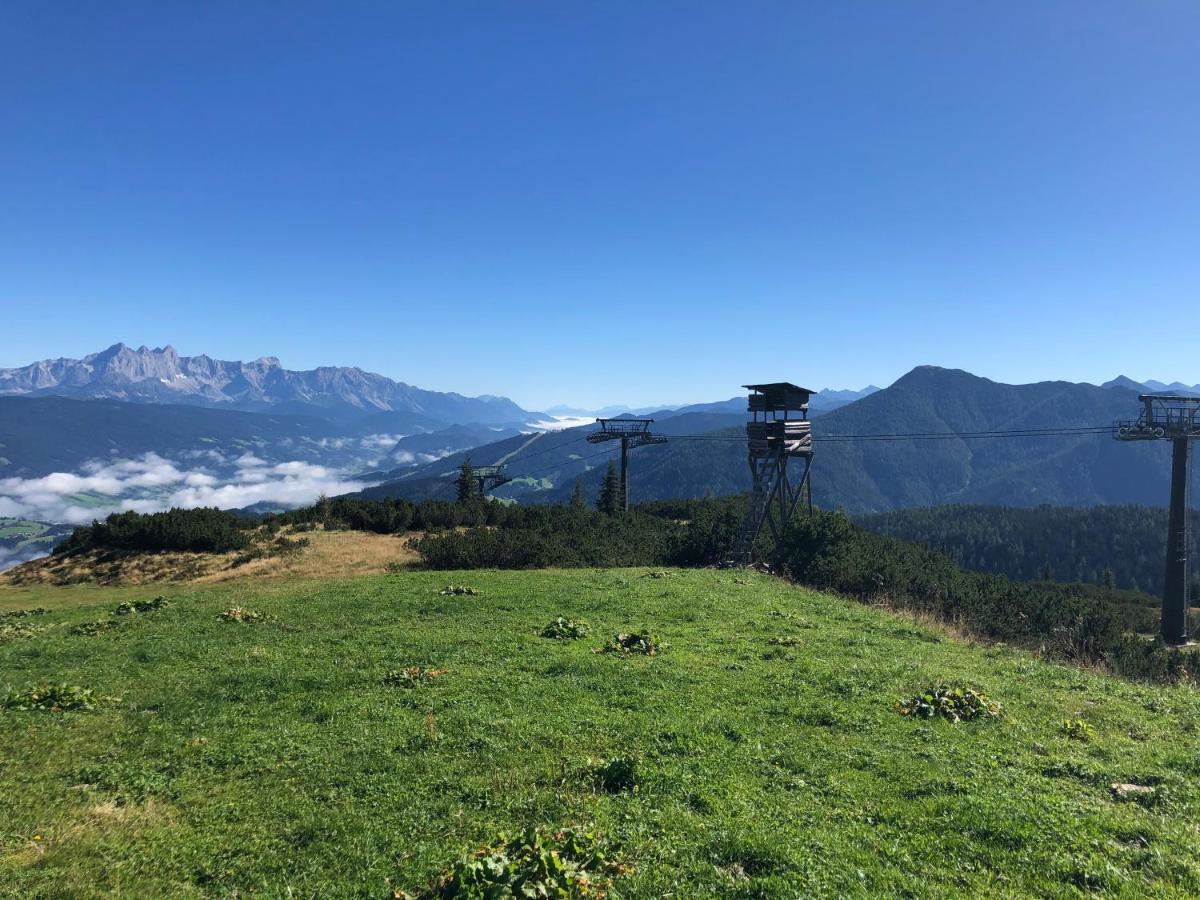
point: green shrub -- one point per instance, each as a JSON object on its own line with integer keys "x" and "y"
{"x": 958, "y": 704}
{"x": 642, "y": 642}
{"x": 568, "y": 863}
{"x": 562, "y": 629}
{"x": 55, "y": 698}
{"x": 130, "y": 607}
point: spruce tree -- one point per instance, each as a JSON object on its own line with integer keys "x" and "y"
{"x": 609, "y": 501}
{"x": 466, "y": 482}
{"x": 577, "y": 499}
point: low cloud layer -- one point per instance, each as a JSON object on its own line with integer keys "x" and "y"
{"x": 152, "y": 483}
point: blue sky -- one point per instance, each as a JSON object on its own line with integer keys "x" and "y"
{"x": 607, "y": 202}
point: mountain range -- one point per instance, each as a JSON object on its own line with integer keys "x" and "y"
{"x": 1153, "y": 387}
{"x": 341, "y": 393}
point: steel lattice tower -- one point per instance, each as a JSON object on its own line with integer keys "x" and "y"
{"x": 631, "y": 433}
{"x": 773, "y": 438}
{"x": 488, "y": 477}
{"x": 1174, "y": 418}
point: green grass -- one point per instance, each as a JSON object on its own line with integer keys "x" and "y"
{"x": 271, "y": 758}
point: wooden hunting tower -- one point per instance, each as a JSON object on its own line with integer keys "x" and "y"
{"x": 1174, "y": 418}
{"x": 778, "y": 432}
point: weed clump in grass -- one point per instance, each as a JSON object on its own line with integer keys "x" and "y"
{"x": 130, "y": 607}
{"x": 956, "y": 703}
{"x": 1078, "y": 730}
{"x": 642, "y": 642}
{"x": 656, "y": 574}
{"x": 22, "y": 613}
{"x": 55, "y": 698}
{"x": 568, "y": 863}
{"x": 245, "y": 616}
{"x": 786, "y": 641}
{"x": 459, "y": 590}
{"x": 11, "y": 631}
{"x": 90, "y": 629}
{"x": 562, "y": 629}
{"x": 412, "y": 676}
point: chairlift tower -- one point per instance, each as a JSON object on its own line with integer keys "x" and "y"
{"x": 778, "y": 431}
{"x": 1174, "y": 418}
{"x": 489, "y": 477}
{"x": 631, "y": 433}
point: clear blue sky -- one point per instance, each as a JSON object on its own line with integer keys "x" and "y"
{"x": 594, "y": 202}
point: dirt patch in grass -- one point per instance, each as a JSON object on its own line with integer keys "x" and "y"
{"x": 329, "y": 554}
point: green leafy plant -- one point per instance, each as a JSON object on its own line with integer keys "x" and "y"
{"x": 459, "y": 590}
{"x": 130, "y": 607}
{"x": 61, "y": 697}
{"x": 93, "y": 628}
{"x": 642, "y": 642}
{"x": 562, "y": 629}
{"x": 10, "y": 631}
{"x": 786, "y": 641}
{"x": 412, "y": 676}
{"x": 565, "y": 864}
{"x": 245, "y": 616}
{"x": 1078, "y": 730}
{"x": 22, "y": 613}
{"x": 956, "y": 703}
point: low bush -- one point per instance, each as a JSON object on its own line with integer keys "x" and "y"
{"x": 958, "y": 704}
{"x": 562, "y": 629}
{"x": 568, "y": 863}
{"x": 199, "y": 530}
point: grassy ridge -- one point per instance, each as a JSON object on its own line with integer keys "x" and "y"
{"x": 271, "y": 757}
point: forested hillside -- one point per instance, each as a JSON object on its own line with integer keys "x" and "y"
{"x": 706, "y": 454}
{"x": 1123, "y": 546}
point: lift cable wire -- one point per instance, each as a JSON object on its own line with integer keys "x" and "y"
{"x": 1082, "y": 431}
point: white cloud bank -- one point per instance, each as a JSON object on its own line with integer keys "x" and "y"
{"x": 152, "y": 483}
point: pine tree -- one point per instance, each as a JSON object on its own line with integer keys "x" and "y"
{"x": 466, "y": 482}
{"x": 609, "y": 501}
{"x": 577, "y": 498}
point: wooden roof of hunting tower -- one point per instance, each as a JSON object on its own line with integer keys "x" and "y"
{"x": 778, "y": 395}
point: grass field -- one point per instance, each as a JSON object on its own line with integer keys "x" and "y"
{"x": 270, "y": 758}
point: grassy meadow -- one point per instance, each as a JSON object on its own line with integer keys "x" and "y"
{"x": 273, "y": 758}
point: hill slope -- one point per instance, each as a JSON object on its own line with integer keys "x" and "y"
{"x": 1077, "y": 470}
{"x": 271, "y": 757}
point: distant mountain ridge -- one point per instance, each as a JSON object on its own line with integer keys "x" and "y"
{"x": 1153, "y": 387}
{"x": 161, "y": 375}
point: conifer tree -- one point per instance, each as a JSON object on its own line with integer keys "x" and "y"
{"x": 609, "y": 501}
{"x": 466, "y": 481}
{"x": 577, "y": 498}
